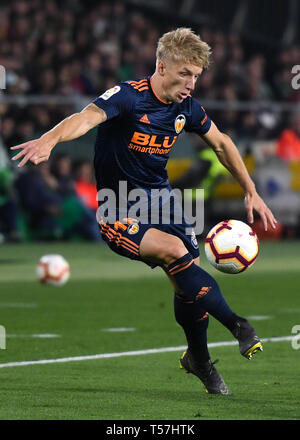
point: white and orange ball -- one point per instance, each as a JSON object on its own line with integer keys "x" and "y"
{"x": 231, "y": 246}
{"x": 53, "y": 269}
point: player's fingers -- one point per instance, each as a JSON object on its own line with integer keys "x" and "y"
{"x": 249, "y": 209}
{"x": 17, "y": 147}
{"x": 23, "y": 162}
{"x": 39, "y": 155}
{"x": 38, "y": 160}
{"x": 29, "y": 149}
{"x": 20, "y": 154}
{"x": 264, "y": 220}
{"x": 271, "y": 219}
{"x": 250, "y": 216}
{"x": 25, "y": 159}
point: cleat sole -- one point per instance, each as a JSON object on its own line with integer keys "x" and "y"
{"x": 252, "y": 350}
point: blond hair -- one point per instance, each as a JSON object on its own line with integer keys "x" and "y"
{"x": 183, "y": 45}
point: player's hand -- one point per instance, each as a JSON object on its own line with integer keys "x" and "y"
{"x": 253, "y": 202}
{"x": 37, "y": 151}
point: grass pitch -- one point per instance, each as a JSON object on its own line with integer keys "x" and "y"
{"x": 114, "y": 305}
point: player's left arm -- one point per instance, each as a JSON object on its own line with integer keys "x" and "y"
{"x": 230, "y": 157}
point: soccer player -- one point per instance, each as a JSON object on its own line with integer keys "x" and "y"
{"x": 138, "y": 124}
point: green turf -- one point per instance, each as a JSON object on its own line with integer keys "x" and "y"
{"x": 106, "y": 291}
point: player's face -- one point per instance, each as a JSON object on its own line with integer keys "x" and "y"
{"x": 179, "y": 80}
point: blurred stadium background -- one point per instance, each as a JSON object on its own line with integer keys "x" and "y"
{"x": 59, "y": 55}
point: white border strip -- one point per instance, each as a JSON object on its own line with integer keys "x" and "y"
{"x": 131, "y": 353}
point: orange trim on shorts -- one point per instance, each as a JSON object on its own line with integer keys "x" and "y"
{"x": 111, "y": 230}
{"x": 119, "y": 240}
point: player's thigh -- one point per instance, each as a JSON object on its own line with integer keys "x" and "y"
{"x": 161, "y": 248}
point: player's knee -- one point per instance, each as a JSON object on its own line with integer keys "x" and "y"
{"x": 161, "y": 248}
{"x": 173, "y": 252}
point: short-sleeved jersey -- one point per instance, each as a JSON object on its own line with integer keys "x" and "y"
{"x": 134, "y": 143}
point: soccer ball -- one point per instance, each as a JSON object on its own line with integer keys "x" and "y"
{"x": 53, "y": 269}
{"x": 231, "y": 246}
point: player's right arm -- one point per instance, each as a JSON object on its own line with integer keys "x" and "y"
{"x": 74, "y": 126}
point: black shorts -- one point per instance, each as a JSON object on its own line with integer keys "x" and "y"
{"x": 125, "y": 237}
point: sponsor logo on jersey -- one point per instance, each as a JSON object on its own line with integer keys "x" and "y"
{"x": 145, "y": 119}
{"x": 110, "y": 92}
{"x": 179, "y": 123}
{"x": 152, "y": 144}
{"x": 152, "y": 140}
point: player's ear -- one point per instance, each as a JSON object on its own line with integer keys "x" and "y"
{"x": 161, "y": 67}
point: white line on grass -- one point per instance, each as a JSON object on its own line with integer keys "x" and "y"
{"x": 259, "y": 317}
{"x": 118, "y": 329}
{"x": 131, "y": 353}
{"x": 37, "y": 335}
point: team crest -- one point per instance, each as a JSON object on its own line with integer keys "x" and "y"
{"x": 110, "y": 92}
{"x": 133, "y": 228}
{"x": 179, "y": 123}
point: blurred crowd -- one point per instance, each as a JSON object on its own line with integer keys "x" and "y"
{"x": 78, "y": 47}
{"x": 81, "y": 48}
{"x": 51, "y": 201}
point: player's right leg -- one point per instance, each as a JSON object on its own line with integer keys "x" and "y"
{"x": 189, "y": 315}
{"x": 196, "y": 359}
{"x": 194, "y": 283}
{"x": 196, "y": 286}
